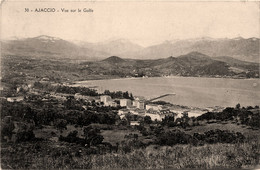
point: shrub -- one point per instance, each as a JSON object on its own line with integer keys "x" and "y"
{"x": 213, "y": 136}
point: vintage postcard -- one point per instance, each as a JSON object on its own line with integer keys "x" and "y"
{"x": 130, "y": 85}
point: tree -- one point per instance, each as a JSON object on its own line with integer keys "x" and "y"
{"x": 24, "y": 132}
{"x": 92, "y": 136}
{"x": 70, "y": 102}
{"x": 61, "y": 124}
{"x": 123, "y": 122}
{"x": 126, "y": 95}
{"x": 131, "y": 96}
{"x": 73, "y": 134}
{"x": 107, "y": 92}
{"x": 7, "y": 128}
{"x": 238, "y": 106}
{"x": 169, "y": 121}
{"x": 147, "y": 120}
{"x": 185, "y": 119}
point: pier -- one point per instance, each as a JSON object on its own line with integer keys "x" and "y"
{"x": 169, "y": 94}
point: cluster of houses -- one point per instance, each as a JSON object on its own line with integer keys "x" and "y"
{"x": 139, "y": 107}
{"x": 156, "y": 112}
{"x": 107, "y": 100}
{"x": 137, "y": 103}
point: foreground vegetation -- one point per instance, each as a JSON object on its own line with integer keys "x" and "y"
{"x": 183, "y": 156}
{"x": 65, "y": 136}
{"x": 51, "y": 156}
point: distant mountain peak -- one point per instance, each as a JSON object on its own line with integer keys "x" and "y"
{"x": 45, "y": 45}
{"x": 114, "y": 59}
{"x": 200, "y": 39}
{"x": 121, "y": 40}
{"x": 238, "y": 38}
{"x": 203, "y": 39}
{"x": 253, "y": 38}
{"x": 46, "y": 37}
{"x": 171, "y": 58}
{"x": 196, "y": 53}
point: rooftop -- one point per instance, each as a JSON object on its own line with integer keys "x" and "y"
{"x": 153, "y": 105}
{"x": 124, "y": 99}
{"x": 17, "y": 97}
{"x": 139, "y": 98}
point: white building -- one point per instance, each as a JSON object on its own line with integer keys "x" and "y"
{"x": 80, "y": 96}
{"x": 195, "y": 113}
{"x": 140, "y": 104}
{"x": 111, "y": 103}
{"x": 159, "y": 115}
{"x": 134, "y": 123}
{"x": 125, "y": 102}
{"x": 15, "y": 99}
{"x": 137, "y": 111}
{"x": 154, "y": 107}
{"x": 105, "y": 99}
{"x": 135, "y": 103}
{"x": 123, "y": 111}
{"x": 154, "y": 116}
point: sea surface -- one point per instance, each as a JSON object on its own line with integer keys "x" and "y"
{"x": 189, "y": 91}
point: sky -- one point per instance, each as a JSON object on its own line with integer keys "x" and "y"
{"x": 142, "y": 22}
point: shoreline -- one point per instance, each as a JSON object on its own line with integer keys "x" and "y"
{"x": 134, "y": 78}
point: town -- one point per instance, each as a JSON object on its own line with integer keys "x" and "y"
{"x": 124, "y": 105}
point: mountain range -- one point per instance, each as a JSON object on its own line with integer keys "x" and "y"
{"x": 238, "y": 48}
{"x": 60, "y": 60}
{"x": 47, "y": 46}
{"x": 191, "y": 64}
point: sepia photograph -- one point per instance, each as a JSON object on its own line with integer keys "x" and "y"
{"x": 139, "y": 84}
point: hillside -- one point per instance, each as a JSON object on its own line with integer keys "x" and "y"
{"x": 17, "y": 69}
{"x": 47, "y": 46}
{"x": 235, "y": 62}
{"x": 114, "y": 59}
{"x": 191, "y": 64}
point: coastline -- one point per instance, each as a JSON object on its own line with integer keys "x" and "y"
{"x": 127, "y": 78}
{"x": 201, "y": 92}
